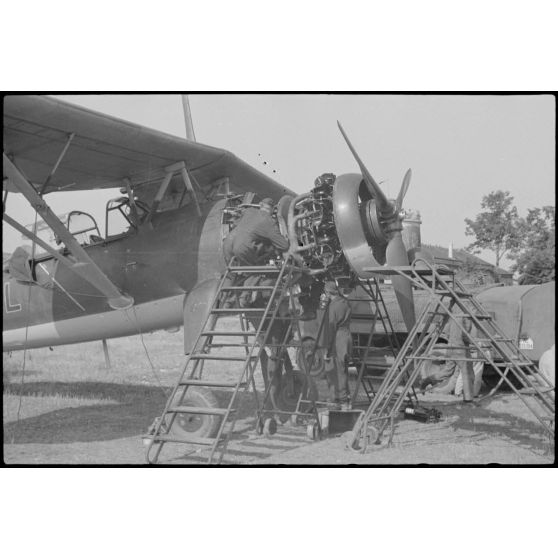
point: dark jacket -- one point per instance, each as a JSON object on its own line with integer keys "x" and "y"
{"x": 255, "y": 232}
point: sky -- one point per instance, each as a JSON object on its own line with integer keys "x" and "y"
{"x": 459, "y": 148}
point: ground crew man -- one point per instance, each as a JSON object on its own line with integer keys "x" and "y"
{"x": 459, "y": 336}
{"x": 338, "y": 344}
{"x": 272, "y": 365}
{"x": 254, "y": 241}
{"x": 547, "y": 365}
{"x": 256, "y": 236}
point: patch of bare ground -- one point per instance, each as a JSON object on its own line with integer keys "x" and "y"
{"x": 72, "y": 410}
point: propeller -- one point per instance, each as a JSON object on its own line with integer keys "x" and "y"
{"x": 391, "y": 224}
{"x": 372, "y": 185}
{"x": 403, "y": 191}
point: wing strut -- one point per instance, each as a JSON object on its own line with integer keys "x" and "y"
{"x": 58, "y": 161}
{"x": 84, "y": 266}
{"x": 170, "y": 171}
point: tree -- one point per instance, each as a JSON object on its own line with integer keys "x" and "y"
{"x": 535, "y": 259}
{"x": 498, "y": 228}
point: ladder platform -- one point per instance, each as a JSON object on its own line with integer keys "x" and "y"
{"x": 199, "y": 410}
{"x": 211, "y": 384}
{"x": 405, "y": 269}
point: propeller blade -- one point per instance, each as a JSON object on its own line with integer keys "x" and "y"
{"x": 373, "y": 187}
{"x": 396, "y": 255}
{"x": 403, "y": 191}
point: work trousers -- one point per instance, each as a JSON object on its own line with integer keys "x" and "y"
{"x": 337, "y": 372}
{"x": 458, "y": 338}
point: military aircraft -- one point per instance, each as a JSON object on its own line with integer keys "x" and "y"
{"x": 157, "y": 261}
{"x": 115, "y": 282}
{"x": 180, "y": 196}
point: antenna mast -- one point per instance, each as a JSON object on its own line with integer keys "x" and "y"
{"x": 190, "y": 135}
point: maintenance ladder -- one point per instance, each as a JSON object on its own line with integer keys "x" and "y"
{"x": 233, "y": 285}
{"x": 484, "y": 342}
{"x": 368, "y": 357}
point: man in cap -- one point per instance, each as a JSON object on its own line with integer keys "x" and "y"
{"x": 440, "y": 373}
{"x": 256, "y": 236}
{"x": 338, "y": 343}
{"x": 253, "y": 242}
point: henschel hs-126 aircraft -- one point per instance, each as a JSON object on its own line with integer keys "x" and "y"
{"x": 180, "y": 197}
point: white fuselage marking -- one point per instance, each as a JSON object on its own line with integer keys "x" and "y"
{"x": 8, "y": 306}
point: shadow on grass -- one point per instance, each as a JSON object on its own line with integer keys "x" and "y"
{"x": 524, "y": 433}
{"x": 136, "y": 407}
{"x": 10, "y": 376}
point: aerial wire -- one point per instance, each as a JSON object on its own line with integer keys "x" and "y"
{"x": 153, "y": 369}
{"x": 20, "y": 399}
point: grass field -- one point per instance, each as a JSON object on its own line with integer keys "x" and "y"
{"x": 66, "y": 407}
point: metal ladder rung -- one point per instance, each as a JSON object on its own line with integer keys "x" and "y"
{"x": 229, "y": 345}
{"x": 244, "y": 269}
{"x": 220, "y": 357}
{"x": 256, "y": 288}
{"x": 460, "y": 316}
{"x": 444, "y": 292}
{"x": 510, "y": 364}
{"x": 499, "y": 339}
{"x": 199, "y": 410}
{"x": 218, "y": 333}
{"x": 182, "y": 440}
{"x": 237, "y": 310}
{"x": 208, "y": 383}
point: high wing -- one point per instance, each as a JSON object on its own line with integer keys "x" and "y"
{"x": 104, "y": 151}
{"x": 53, "y": 146}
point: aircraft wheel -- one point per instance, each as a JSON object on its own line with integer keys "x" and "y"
{"x": 188, "y": 424}
{"x": 269, "y": 427}
{"x": 288, "y": 396}
{"x": 293, "y": 419}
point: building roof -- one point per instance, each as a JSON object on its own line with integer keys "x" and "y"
{"x": 463, "y": 256}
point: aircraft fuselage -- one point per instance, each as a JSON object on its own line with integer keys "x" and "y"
{"x": 156, "y": 265}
